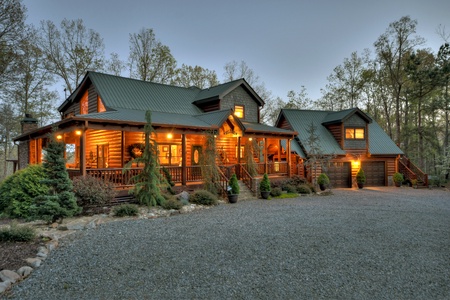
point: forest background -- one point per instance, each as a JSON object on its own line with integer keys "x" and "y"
{"x": 397, "y": 80}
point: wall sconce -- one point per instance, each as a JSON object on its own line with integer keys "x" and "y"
{"x": 59, "y": 137}
{"x": 78, "y": 132}
{"x": 355, "y": 164}
{"x": 250, "y": 139}
{"x": 169, "y": 136}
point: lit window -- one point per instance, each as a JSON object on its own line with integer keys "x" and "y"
{"x": 100, "y": 106}
{"x": 239, "y": 111}
{"x": 84, "y": 104}
{"x": 354, "y": 133}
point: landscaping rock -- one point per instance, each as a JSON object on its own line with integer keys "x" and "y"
{"x": 25, "y": 271}
{"x": 4, "y": 286}
{"x": 52, "y": 245}
{"x": 7, "y": 275}
{"x": 33, "y": 262}
{"x": 183, "y": 196}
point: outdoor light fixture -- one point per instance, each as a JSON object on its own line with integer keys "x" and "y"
{"x": 78, "y": 132}
{"x": 169, "y": 136}
{"x": 355, "y": 164}
{"x": 59, "y": 137}
{"x": 250, "y": 139}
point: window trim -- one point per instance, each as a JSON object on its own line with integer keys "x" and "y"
{"x": 354, "y": 133}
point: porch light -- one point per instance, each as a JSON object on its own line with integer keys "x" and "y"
{"x": 169, "y": 136}
{"x": 59, "y": 137}
{"x": 78, "y": 132}
{"x": 355, "y": 164}
{"x": 250, "y": 139}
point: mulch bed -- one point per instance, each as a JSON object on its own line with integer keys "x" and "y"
{"x": 13, "y": 254}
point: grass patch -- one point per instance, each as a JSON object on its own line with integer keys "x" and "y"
{"x": 17, "y": 233}
{"x": 287, "y": 195}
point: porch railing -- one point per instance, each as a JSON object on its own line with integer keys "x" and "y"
{"x": 411, "y": 171}
{"x": 279, "y": 168}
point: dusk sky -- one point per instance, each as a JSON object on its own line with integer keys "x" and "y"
{"x": 287, "y": 43}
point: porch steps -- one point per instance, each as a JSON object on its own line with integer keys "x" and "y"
{"x": 245, "y": 193}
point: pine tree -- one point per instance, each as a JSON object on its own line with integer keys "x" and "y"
{"x": 148, "y": 183}
{"x": 210, "y": 172}
{"x": 60, "y": 202}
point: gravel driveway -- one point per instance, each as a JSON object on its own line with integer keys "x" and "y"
{"x": 375, "y": 243}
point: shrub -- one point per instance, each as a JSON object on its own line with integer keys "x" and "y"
{"x": 360, "y": 176}
{"x": 17, "y": 234}
{"x": 264, "y": 185}
{"x": 203, "y": 197}
{"x": 296, "y": 180}
{"x": 233, "y": 185}
{"x": 323, "y": 179}
{"x": 290, "y": 188}
{"x": 397, "y": 177}
{"x": 172, "y": 203}
{"x": 126, "y": 210}
{"x": 303, "y": 189}
{"x": 275, "y": 192}
{"x": 18, "y": 191}
{"x": 92, "y": 191}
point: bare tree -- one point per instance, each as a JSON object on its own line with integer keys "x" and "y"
{"x": 149, "y": 59}
{"x": 71, "y": 51}
{"x": 188, "y": 76}
{"x": 115, "y": 65}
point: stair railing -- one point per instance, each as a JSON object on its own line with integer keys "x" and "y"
{"x": 247, "y": 179}
{"x": 223, "y": 182}
{"x": 407, "y": 166}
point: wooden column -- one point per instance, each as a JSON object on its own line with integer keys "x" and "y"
{"x": 288, "y": 156}
{"x": 122, "y": 150}
{"x": 83, "y": 152}
{"x": 183, "y": 160}
{"x": 266, "y": 166}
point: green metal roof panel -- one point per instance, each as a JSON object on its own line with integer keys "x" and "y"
{"x": 380, "y": 142}
{"x": 138, "y": 116}
{"x": 295, "y": 147}
{"x": 257, "y": 127}
{"x": 301, "y": 121}
{"x": 215, "y": 118}
{"x": 119, "y": 92}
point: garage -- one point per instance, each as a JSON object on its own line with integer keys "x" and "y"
{"x": 375, "y": 173}
{"x": 339, "y": 174}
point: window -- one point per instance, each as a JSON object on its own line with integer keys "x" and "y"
{"x": 169, "y": 155}
{"x": 239, "y": 111}
{"x": 354, "y": 133}
{"x": 84, "y": 104}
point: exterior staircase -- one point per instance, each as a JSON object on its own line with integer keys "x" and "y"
{"x": 411, "y": 172}
{"x": 245, "y": 193}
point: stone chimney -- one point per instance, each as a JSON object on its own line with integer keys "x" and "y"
{"x": 29, "y": 123}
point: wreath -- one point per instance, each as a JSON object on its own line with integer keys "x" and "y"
{"x": 136, "y": 150}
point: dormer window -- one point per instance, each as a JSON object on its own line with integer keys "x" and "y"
{"x": 354, "y": 133}
{"x": 239, "y": 111}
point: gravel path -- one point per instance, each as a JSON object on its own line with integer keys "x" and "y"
{"x": 376, "y": 243}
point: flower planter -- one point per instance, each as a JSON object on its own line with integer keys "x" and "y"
{"x": 232, "y": 198}
{"x": 322, "y": 187}
{"x": 265, "y": 194}
{"x": 360, "y": 185}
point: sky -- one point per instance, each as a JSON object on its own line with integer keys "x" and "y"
{"x": 287, "y": 43}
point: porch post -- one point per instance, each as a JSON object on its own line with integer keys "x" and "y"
{"x": 266, "y": 168}
{"x": 183, "y": 159}
{"x": 288, "y": 156}
{"x": 239, "y": 150}
{"x": 83, "y": 152}
{"x": 122, "y": 150}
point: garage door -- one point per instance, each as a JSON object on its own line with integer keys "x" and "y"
{"x": 339, "y": 174}
{"x": 375, "y": 173}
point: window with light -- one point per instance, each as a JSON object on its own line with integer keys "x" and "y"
{"x": 239, "y": 111}
{"x": 354, "y": 133}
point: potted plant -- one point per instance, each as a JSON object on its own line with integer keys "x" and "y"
{"x": 323, "y": 181}
{"x": 233, "y": 189}
{"x": 360, "y": 178}
{"x": 264, "y": 187}
{"x": 398, "y": 179}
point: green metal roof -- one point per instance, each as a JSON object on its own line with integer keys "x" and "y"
{"x": 262, "y": 128}
{"x": 300, "y": 120}
{"x": 215, "y": 118}
{"x": 119, "y": 92}
{"x": 341, "y": 116}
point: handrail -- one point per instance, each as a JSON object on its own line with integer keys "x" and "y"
{"x": 409, "y": 166}
{"x": 246, "y": 178}
{"x": 223, "y": 182}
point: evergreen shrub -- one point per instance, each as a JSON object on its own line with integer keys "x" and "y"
{"x": 17, "y": 233}
{"x": 276, "y": 192}
{"x": 126, "y": 210}
{"x": 18, "y": 191}
{"x": 303, "y": 189}
{"x": 203, "y": 197}
{"x": 290, "y": 188}
{"x": 172, "y": 203}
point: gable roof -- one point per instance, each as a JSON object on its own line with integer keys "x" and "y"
{"x": 301, "y": 121}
